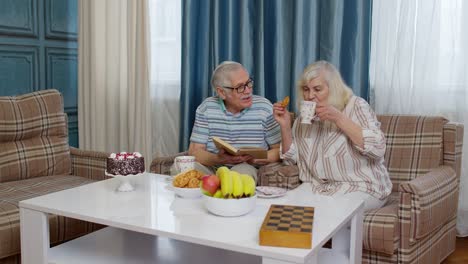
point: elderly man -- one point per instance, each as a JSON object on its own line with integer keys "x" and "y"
{"x": 236, "y": 116}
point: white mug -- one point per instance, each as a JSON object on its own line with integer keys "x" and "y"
{"x": 184, "y": 163}
{"x": 307, "y": 111}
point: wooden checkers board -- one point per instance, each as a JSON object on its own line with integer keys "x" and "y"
{"x": 287, "y": 226}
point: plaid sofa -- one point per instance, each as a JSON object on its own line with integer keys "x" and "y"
{"x": 35, "y": 159}
{"x": 417, "y": 224}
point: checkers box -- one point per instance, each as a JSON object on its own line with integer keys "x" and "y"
{"x": 287, "y": 226}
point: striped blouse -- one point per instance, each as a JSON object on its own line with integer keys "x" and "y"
{"x": 333, "y": 163}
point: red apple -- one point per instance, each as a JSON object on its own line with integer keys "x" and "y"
{"x": 210, "y": 183}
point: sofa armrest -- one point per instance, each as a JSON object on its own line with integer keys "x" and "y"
{"x": 162, "y": 165}
{"x": 453, "y": 144}
{"x": 279, "y": 175}
{"x": 89, "y": 164}
{"x": 381, "y": 232}
{"x": 428, "y": 202}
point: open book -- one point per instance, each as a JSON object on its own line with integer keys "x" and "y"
{"x": 257, "y": 153}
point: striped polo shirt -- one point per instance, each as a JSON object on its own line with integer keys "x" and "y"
{"x": 252, "y": 127}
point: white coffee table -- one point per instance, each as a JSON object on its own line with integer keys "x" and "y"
{"x": 151, "y": 216}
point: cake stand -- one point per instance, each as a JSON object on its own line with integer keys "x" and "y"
{"x": 125, "y": 183}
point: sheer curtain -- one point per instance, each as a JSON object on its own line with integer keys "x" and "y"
{"x": 113, "y": 76}
{"x": 165, "y": 24}
{"x": 418, "y": 65}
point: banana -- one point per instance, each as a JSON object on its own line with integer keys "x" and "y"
{"x": 221, "y": 170}
{"x": 226, "y": 184}
{"x": 238, "y": 190}
{"x": 248, "y": 185}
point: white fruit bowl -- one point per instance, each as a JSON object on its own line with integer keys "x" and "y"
{"x": 187, "y": 192}
{"x": 229, "y": 207}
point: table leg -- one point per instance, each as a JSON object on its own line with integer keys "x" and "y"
{"x": 34, "y": 232}
{"x": 266, "y": 260}
{"x": 355, "y": 253}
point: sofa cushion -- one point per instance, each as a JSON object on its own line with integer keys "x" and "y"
{"x": 414, "y": 145}
{"x": 61, "y": 228}
{"x": 33, "y": 136}
{"x": 381, "y": 229}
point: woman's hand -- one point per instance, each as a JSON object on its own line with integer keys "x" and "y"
{"x": 281, "y": 115}
{"x": 328, "y": 112}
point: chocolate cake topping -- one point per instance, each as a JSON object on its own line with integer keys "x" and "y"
{"x": 125, "y": 163}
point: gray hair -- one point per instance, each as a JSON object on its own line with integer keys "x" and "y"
{"x": 339, "y": 91}
{"x": 221, "y": 75}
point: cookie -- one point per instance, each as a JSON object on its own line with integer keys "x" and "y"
{"x": 285, "y": 101}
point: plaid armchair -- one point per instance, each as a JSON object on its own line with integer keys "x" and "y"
{"x": 417, "y": 224}
{"x": 35, "y": 159}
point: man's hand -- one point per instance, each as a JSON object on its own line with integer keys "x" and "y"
{"x": 259, "y": 162}
{"x": 226, "y": 158}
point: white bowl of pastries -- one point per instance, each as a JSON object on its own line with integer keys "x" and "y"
{"x": 187, "y": 184}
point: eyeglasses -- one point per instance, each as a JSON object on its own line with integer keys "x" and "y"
{"x": 241, "y": 88}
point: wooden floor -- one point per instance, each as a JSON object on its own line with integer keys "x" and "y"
{"x": 461, "y": 253}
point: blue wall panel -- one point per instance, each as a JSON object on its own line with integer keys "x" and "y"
{"x": 18, "y": 69}
{"x": 18, "y": 17}
{"x": 38, "y": 50}
{"x": 72, "y": 126}
{"x": 61, "y": 66}
{"x": 61, "y": 19}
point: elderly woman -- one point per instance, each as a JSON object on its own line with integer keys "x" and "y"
{"x": 341, "y": 151}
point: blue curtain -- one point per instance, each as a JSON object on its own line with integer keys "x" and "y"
{"x": 274, "y": 40}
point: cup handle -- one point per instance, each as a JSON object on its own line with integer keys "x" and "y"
{"x": 176, "y": 167}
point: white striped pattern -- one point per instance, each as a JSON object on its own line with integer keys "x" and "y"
{"x": 253, "y": 127}
{"x": 327, "y": 158}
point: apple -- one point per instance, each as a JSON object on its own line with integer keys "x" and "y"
{"x": 206, "y": 193}
{"x": 210, "y": 183}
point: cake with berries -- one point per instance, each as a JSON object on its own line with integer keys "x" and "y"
{"x": 124, "y": 163}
